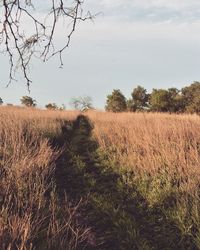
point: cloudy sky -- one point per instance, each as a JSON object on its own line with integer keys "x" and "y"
{"x": 154, "y": 43}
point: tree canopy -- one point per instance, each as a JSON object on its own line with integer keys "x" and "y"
{"x": 170, "y": 100}
{"x": 28, "y": 101}
{"x": 51, "y": 106}
{"x": 116, "y": 102}
{"x": 159, "y": 100}
{"x": 140, "y": 98}
{"x": 191, "y": 95}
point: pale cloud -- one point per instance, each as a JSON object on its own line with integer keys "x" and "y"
{"x": 171, "y": 4}
{"x": 152, "y": 10}
{"x": 155, "y": 43}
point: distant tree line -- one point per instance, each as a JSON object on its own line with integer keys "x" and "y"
{"x": 30, "y": 102}
{"x": 172, "y": 100}
{"x": 169, "y": 100}
{"x": 78, "y": 103}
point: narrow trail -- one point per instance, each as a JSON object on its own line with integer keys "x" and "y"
{"x": 118, "y": 215}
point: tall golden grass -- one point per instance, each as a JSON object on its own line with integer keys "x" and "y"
{"x": 152, "y": 144}
{"x": 145, "y": 142}
{"x": 159, "y": 153}
{"x": 31, "y": 216}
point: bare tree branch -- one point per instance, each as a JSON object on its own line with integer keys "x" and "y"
{"x": 22, "y": 43}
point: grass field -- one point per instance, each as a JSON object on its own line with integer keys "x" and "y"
{"x": 99, "y": 180}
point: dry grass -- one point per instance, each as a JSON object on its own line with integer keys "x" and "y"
{"x": 146, "y": 142}
{"x": 159, "y": 154}
{"x": 44, "y": 120}
{"x": 31, "y": 216}
{"x": 151, "y": 144}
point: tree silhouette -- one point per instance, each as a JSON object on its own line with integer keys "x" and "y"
{"x": 28, "y": 101}
{"x": 21, "y": 43}
{"x": 82, "y": 103}
{"x": 51, "y": 106}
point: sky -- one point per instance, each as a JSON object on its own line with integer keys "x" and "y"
{"x": 153, "y": 43}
